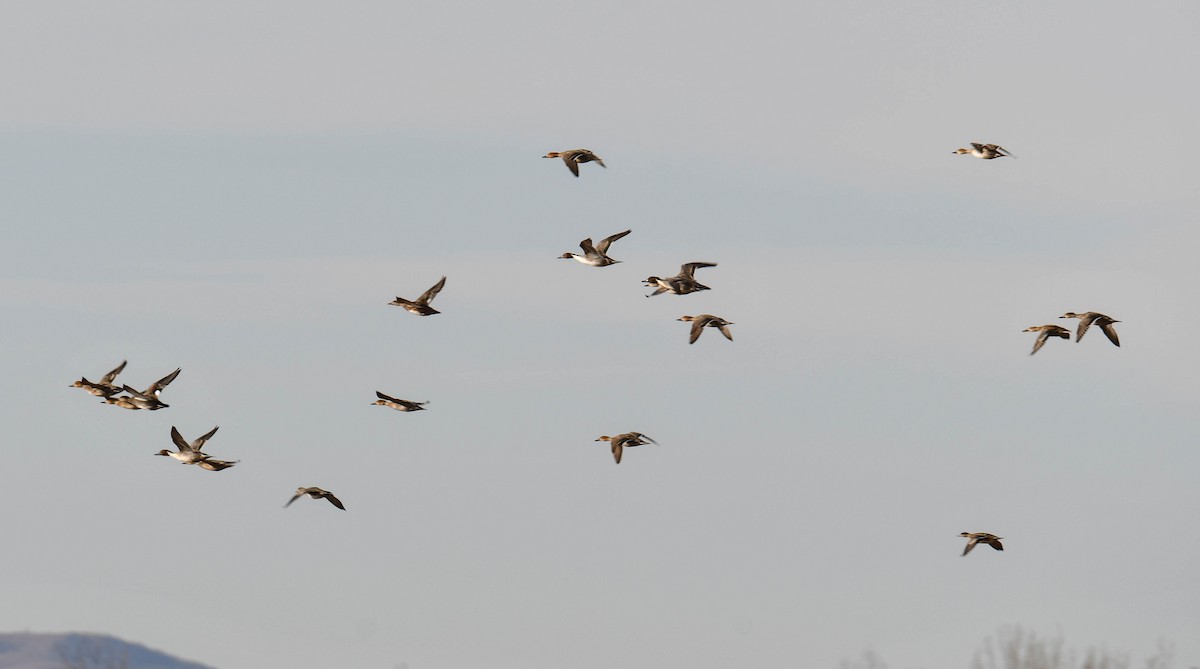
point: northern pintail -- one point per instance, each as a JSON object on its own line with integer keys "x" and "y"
{"x": 596, "y": 256}
{"x": 681, "y": 284}
{"x": 981, "y": 538}
{"x": 144, "y": 399}
{"x": 189, "y": 454}
{"x": 1047, "y": 331}
{"x": 104, "y": 387}
{"x": 1086, "y": 320}
{"x": 575, "y": 156}
{"x": 985, "y": 151}
{"x": 315, "y": 493}
{"x": 397, "y": 404}
{"x": 420, "y": 306}
{"x": 706, "y": 320}
{"x": 628, "y": 440}
{"x": 135, "y": 399}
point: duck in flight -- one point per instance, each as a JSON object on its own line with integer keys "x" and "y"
{"x": 420, "y": 306}
{"x": 628, "y": 440}
{"x": 104, "y": 387}
{"x": 985, "y": 151}
{"x": 974, "y": 538}
{"x": 707, "y": 320}
{"x": 596, "y": 256}
{"x": 189, "y": 454}
{"x": 1046, "y": 331}
{"x": 397, "y": 404}
{"x": 681, "y": 284}
{"x": 574, "y": 157}
{"x": 1090, "y": 318}
{"x": 315, "y": 493}
{"x": 134, "y": 399}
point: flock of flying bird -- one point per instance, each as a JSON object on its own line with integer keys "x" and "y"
{"x": 186, "y": 453}
{"x": 1086, "y": 320}
{"x": 595, "y": 255}
{"x": 685, "y": 282}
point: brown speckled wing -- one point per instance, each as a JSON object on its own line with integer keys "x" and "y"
{"x": 108, "y": 378}
{"x": 1041, "y": 341}
{"x": 569, "y": 159}
{"x": 428, "y": 295}
{"x": 1110, "y": 332}
{"x": 1085, "y": 322}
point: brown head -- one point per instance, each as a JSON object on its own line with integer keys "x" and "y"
{"x": 164, "y": 452}
{"x": 553, "y": 154}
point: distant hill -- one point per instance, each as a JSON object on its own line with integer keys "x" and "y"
{"x": 25, "y": 650}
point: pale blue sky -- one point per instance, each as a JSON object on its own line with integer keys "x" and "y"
{"x": 240, "y": 191}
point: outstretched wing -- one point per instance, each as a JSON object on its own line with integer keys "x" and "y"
{"x": 180, "y": 443}
{"x": 334, "y": 501}
{"x": 199, "y": 443}
{"x": 1109, "y": 331}
{"x": 569, "y": 159}
{"x": 1085, "y": 322}
{"x": 432, "y": 292}
{"x": 602, "y": 247}
{"x": 162, "y": 383}
{"x": 970, "y": 544}
{"x": 689, "y": 269}
{"x": 697, "y": 329}
{"x": 1037, "y": 345}
{"x": 108, "y": 378}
